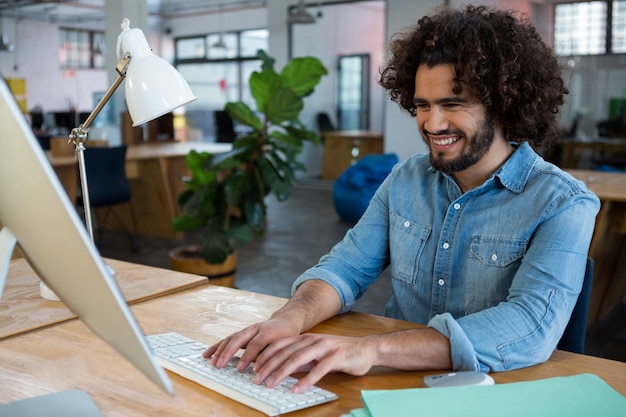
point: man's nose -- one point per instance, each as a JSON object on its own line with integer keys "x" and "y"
{"x": 435, "y": 120}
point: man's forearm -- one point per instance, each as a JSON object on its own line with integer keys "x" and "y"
{"x": 313, "y": 302}
{"x": 418, "y": 349}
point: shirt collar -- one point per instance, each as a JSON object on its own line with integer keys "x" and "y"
{"x": 516, "y": 170}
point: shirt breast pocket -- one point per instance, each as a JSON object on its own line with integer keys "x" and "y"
{"x": 406, "y": 243}
{"x": 494, "y": 260}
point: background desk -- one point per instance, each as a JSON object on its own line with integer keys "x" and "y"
{"x": 155, "y": 171}
{"x": 22, "y": 309}
{"x": 68, "y": 356}
{"x": 608, "y": 246}
{"x": 572, "y": 150}
{"x": 343, "y": 148}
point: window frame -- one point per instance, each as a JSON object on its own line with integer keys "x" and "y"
{"x": 238, "y": 58}
{"x": 609, "y": 26}
{"x": 94, "y": 51}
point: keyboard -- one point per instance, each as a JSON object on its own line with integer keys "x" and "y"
{"x": 183, "y": 356}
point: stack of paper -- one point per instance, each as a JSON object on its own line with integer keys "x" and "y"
{"x": 580, "y": 395}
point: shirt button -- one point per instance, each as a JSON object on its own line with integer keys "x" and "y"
{"x": 457, "y": 206}
{"x": 446, "y": 245}
{"x": 407, "y": 224}
{"x": 494, "y": 257}
{"x": 441, "y": 281}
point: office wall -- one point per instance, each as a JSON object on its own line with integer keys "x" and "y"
{"x": 36, "y": 59}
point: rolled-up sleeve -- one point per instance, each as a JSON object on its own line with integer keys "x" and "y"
{"x": 462, "y": 351}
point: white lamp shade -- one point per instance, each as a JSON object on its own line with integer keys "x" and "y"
{"x": 153, "y": 87}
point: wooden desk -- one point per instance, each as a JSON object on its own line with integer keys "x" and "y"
{"x": 155, "y": 171}
{"x": 37, "y": 363}
{"x": 342, "y": 148}
{"x": 573, "y": 149}
{"x": 22, "y": 309}
{"x": 608, "y": 248}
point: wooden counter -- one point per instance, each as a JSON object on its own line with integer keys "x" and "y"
{"x": 342, "y": 148}
{"x": 155, "y": 171}
{"x": 608, "y": 246}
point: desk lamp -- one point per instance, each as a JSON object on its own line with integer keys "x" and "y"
{"x": 153, "y": 88}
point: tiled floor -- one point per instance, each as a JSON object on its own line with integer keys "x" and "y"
{"x": 299, "y": 231}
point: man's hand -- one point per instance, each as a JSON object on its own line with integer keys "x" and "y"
{"x": 318, "y": 354}
{"x": 253, "y": 339}
{"x": 313, "y": 302}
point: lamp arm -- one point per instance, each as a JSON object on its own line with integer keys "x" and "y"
{"x": 79, "y": 134}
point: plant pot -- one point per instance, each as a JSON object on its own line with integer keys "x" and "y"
{"x": 187, "y": 259}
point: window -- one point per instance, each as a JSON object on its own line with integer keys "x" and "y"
{"x": 590, "y": 27}
{"x": 353, "y": 92}
{"x": 619, "y": 27}
{"x": 217, "y": 67}
{"x": 81, "y": 49}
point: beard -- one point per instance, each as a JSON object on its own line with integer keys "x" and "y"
{"x": 476, "y": 147}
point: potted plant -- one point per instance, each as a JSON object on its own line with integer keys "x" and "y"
{"x": 224, "y": 200}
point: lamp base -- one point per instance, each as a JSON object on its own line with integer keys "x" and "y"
{"x": 46, "y": 293}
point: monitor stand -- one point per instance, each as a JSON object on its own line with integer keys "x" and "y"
{"x": 7, "y": 245}
{"x": 70, "y": 403}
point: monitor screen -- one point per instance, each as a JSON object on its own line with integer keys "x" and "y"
{"x": 64, "y": 121}
{"x": 36, "y": 213}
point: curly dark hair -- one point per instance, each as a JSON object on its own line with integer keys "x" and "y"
{"x": 499, "y": 56}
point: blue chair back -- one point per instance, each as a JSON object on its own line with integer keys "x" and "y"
{"x": 573, "y": 339}
{"x": 106, "y": 175}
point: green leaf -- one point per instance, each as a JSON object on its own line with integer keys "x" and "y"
{"x": 236, "y": 185}
{"x": 240, "y": 232}
{"x": 215, "y": 245}
{"x": 303, "y": 74}
{"x": 283, "y": 105}
{"x": 267, "y": 61}
{"x": 255, "y": 214}
{"x": 183, "y": 223}
{"x": 294, "y": 141}
{"x": 279, "y": 186}
{"x": 263, "y": 86}
{"x": 283, "y": 166}
{"x": 196, "y": 162}
{"x": 303, "y": 133}
{"x": 242, "y": 113}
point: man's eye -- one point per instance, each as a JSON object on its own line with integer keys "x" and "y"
{"x": 422, "y": 107}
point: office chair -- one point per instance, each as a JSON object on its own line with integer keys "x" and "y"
{"x": 224, "y": 127}
{"x": 573, "y": 339}
{"x": 324, "y": 124}
{"x": 108, "y": 186}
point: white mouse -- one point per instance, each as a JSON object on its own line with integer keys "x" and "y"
{"x": 456, "y": 379}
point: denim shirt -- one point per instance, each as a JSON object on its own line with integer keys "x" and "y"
{"x": 496, "y": 269}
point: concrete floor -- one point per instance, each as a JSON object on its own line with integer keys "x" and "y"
{"x": 301, "y": 230}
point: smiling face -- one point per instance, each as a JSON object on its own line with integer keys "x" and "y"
{"x": 455, "y": 127}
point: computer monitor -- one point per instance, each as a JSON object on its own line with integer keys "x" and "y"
{"x": 36, "y": 213}
{"x": 64, "y": 121}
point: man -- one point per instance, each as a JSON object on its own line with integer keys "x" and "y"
{"x": 487, "y": 243}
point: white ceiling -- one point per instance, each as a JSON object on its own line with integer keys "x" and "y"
{"x": 85, "y": 11}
